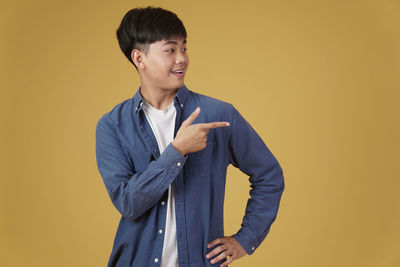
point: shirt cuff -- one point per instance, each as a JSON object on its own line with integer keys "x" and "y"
{"x": 248, "y": 245}
{"x": 171, "y": 156}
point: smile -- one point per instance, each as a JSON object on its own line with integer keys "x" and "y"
{"x": 179, "y": 73}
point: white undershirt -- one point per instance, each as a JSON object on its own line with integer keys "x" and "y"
{"x": 162, "y": 123}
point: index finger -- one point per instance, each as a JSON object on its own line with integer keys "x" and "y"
{"x": 215, "y": 242}
{"x": 215, "y": 124}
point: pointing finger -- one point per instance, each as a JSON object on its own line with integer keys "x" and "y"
{"x": 192, "y": 116}
{"x": 215, "y": 124}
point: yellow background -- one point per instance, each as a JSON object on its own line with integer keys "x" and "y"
{"x": 318, "y": 80}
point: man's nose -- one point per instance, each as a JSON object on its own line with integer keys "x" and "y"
{"x": 181, "y": 57}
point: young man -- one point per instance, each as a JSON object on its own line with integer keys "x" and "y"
{"x": 163, "y": 156}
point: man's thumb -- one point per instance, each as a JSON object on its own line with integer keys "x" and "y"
{"x": 192, "y": 117}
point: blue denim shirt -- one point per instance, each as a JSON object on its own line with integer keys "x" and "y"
{"x": 137, "y": 178}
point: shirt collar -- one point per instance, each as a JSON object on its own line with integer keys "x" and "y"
{"x": 180, "y": 97}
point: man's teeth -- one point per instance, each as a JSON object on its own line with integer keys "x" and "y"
{"x": 178, "y": 71}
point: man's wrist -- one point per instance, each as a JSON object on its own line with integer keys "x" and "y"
{"x": 177, "y": 148}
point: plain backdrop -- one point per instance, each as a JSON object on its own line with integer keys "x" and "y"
{"x": 318, "y": 80}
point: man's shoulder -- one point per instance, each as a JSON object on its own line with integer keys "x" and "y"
{"x": 119, "y": 111}
{"x": 210, "y": 101}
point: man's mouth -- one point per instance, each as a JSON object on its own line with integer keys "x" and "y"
{"x": 177, "y": 71}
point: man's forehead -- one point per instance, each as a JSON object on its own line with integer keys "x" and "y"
{"x": 173, "y": 41}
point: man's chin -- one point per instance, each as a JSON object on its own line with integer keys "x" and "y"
{"x": 177, "y": 86}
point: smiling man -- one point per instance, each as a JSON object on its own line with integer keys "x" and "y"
{"x": 163, "y": 156}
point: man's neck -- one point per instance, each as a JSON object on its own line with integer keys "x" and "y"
{"x": 158, "y": 98}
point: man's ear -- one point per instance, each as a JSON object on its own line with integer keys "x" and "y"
{"x": 137, "y": 58}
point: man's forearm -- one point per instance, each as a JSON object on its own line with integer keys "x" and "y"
{"x": 133, "y": 193}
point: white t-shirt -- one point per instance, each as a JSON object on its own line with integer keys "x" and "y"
{"x": 162, "y": 123}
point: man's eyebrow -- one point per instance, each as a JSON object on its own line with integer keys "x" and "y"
{"x": 174, "y": 42}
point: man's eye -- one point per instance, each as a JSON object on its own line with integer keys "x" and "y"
{"x": 172, "y": 50}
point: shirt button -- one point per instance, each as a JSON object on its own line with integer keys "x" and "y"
{"x": 163, "y": 203}
{"x": 160, "y": 231}
{"x": 179, "y": 164}
{"x": 181, "y": 105}
{"x": 252, "y": 248}
{"x": 156, "y": 260}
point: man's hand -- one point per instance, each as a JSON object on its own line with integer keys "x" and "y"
{"x": 193, "y": 137}
{"x": 229, "y": 247}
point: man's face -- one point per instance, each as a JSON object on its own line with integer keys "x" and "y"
{"x": 165, "y": 64}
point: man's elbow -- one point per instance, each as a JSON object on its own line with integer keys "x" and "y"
{"x": 132, "y": 208}
{"x": 277, "y": 182}
{"x": 129, "y": 212}
{"x": 281, "y": 178}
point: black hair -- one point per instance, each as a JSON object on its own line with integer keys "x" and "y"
{"x": 142, "y": 26}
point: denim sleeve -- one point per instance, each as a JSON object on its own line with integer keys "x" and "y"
{"x": 133, "y": 193}
{"x": 249, "y": 153}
